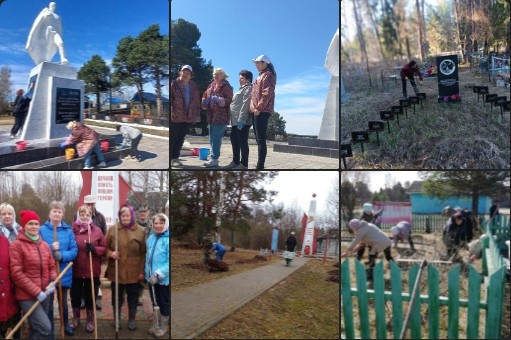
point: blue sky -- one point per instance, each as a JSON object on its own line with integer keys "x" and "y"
{"x": 295, "y": 34}
{"x": 89, "y": 27}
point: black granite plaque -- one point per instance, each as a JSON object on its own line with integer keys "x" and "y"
{"x": 491, "y": 97}
{"x": 67, "y": 105}
{"x": 397, "y": 110}
{"x": 414, "y": 100}
{"x": 404, "y": 103}
{"x": 483, "y": 89}
{"x": 422, "y": 95}
{"x": 386, "y": 115}
{"x": 499, "y": 101}
{"x": 346, "y": 150}
{"x": 476, "y": 89}
{"x": 376, "y": 125}
{"x": 359, "y": 136}
{"x": 507, "y": 105}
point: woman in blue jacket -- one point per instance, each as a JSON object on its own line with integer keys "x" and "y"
{"x": 64, "y": 251}
{"x": 157, "y": 269}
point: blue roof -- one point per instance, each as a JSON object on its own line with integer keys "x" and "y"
{"x": 149, "y": 97}
{"x": 113, "y": 100}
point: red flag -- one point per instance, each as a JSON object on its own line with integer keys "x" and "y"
{"x": 86, "y": 187}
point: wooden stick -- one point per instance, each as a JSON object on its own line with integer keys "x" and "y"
{"x": 37, "y": 303}
{"x": 411, "y": 260}
{"x": 93, "y": 292}
{"x": 57, "y": 268}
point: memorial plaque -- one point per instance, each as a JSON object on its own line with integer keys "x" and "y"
{"x": 359, "y": 136}
{"x": 507, "y": 105}
{"x": 346, "y": 150}
{"x": 397, "y": 110}
{"x": 422, "y": 95}
{"x": 67, "y": 105}
{"x": 448, "y": 81}
{"x": 483, "y": 89}
{"x": 476, "y": 89}
{"x": 386, "y": 115}
{"x": 490, "y": 97}
{"x": 499, "y": 101}
{"x": 414, "y": 100}
{"x": 376, "y": 125}
{"x": 404, "y": 103}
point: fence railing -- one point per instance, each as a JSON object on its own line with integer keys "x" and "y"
{"x": 493, "y": 267}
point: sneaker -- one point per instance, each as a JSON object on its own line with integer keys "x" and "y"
{"x": 128, "y": 158}
{"x": 212, "y": 163}
{"x": 12, "y": 136}
{"x": 86, "y": 168}
{"x": 231, "y": 165}
{"x": 240, "y": 167}
{"x": 176, "y": 162}
{"x": 102, "y": 165}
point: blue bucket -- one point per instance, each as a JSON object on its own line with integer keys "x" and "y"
{"x": 203, "y": 154}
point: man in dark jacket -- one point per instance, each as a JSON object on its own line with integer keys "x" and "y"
{"x": 408, "y": 72}
{"x": 21, "y": 105}
{"x": 454, "y": 234}
{"x": 291, "y": 242}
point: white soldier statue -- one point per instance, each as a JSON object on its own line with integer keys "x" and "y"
{"x": 45, "y": 37}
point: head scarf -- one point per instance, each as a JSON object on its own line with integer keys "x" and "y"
{"x": 132, "y": 216}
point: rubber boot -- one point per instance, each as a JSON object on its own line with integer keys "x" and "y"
{"x": 161, "y": 331}
{"x": 76, "y": 318}
{"x": 132, "y": 325}
{"x": 89, "y": 327}
{"x": 68, "y": 330}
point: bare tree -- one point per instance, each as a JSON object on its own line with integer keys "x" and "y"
{"x": 5, "y": 88}
{"x": 361, "y": 39}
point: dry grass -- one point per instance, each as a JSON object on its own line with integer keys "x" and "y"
{"x": 439, "y": 136}
{"x": 187, "y": 268}
{"x": 435, "y": 252}
{"x": 303, "y": 306}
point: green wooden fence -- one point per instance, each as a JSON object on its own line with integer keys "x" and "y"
{"x": 493, "y": 267}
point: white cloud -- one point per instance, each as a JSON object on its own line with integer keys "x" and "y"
{"x": 13, "y": 48}
{"x": 301, "y": 101}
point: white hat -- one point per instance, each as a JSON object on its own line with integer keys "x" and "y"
{"x": 89, "y": 199}
{"x": 292, "y": 233}
{"x": 70, "y": 125}
{"x": 368, "y": 207}
{"x": 262, "y": 57}
{"x": 394, "y": 230}
{"x": 187, "y": 67}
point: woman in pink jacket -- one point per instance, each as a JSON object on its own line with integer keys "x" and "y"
{"x": 262, "y": 104}
{"x": 86, "y": 140}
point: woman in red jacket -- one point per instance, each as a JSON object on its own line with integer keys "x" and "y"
{"x": 408, "y": 72}
{"x": 81, "y": 268}
{"x": 32, "y": 270}
{"x": 9, "y": 313}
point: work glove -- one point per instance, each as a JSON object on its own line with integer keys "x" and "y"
{"x": 240, "y": 125}
{"x": 49, "y": 291}
{"x": 41, "y": 297}
{"x": 215, "y": 99}
{"x": 57, "y": 255}
{"x": 62, "y": 145}
{"x": 154, "y": 279}
{"x": 91, "y": 248}
{"x": 207, "y": 100}
{"x": 406, "y": 78}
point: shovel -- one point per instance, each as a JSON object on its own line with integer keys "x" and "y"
{"x": 156, "y": 309}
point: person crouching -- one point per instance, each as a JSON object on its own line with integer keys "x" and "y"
{"x": 370, "y": 235}
{"x": 86, "y": 140}
{"x": 402, "y": 232}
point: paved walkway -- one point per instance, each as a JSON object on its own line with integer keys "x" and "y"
{"x": 274, "y": 160}
{"x": 195, "y": 310}
{"x": 154, "y": 151}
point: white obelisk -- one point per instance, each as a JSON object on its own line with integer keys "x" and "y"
{"x": 330, "y": 123}
{"x": 308, "y": 236}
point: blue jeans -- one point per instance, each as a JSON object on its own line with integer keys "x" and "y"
{"x": 219, "y": 256}
{"x": 216, "y": 132}
{"x": 98, "y": 152}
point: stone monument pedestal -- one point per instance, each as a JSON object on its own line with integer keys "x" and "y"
{"x": 57, "y": 99}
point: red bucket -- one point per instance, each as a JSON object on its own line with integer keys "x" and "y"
{"x": 195, "y": 151}
{"x": 104, "y": 145}
{"x": 21, "y": 145}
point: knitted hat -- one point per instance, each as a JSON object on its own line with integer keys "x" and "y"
{"x": 27, "y": 216}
